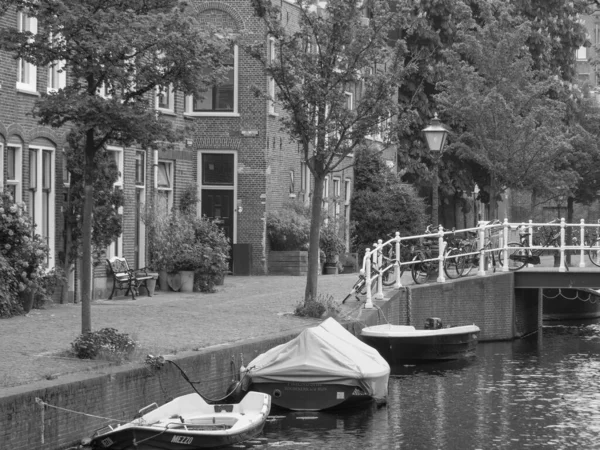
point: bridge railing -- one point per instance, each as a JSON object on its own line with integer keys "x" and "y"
{"x": 491, "y": 236}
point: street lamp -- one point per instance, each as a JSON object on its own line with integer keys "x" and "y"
{"x": 436, "y": 135}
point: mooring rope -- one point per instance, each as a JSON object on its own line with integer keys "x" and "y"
{"x": 42, "y": 403}
{"x": 408, "y": 304}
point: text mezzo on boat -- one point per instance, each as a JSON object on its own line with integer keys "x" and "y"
{"x": 402, "y": 343}
{"x": 188, "y": 422}
{"x": 323, "y": 367}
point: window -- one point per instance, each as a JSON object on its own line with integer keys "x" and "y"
{"x": 303, "y": 177}
{"x": 165, "y": 186}
{"x": 13, "y": 172}
{"x": 326, "y": 196}
{"x": 347, "y": 191}
{"x": 336, "y": 195}
{"x": 57, "y": 76}
{"x": 140, "y": 200}
{"x": 26, "y": 72}
{"x": 116, "y": 154}
{"x": 582, "y": 53}
{"x": 217, "y": 169}
{"x": 271, "y": 79}
{"x": 220, "y": 100}
{"x": 41, "y": 194}
{"x": 165, "y": 99}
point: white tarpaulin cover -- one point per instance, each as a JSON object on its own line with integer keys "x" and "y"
{"x": 328, "y": 354}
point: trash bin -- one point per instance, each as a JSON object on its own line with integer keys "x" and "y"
{"x": 242, "y": 259}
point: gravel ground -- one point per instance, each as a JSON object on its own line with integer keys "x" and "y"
{"x": 34, "y": 347}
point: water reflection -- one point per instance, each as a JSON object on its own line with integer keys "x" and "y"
{"x": 541, "y": 392}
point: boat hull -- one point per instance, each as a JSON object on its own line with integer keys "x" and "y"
{"x": 398, "y": 345}
{"x": 147, "y": 438}
{"x": 312, "y": 396}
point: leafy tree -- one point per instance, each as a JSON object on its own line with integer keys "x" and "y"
{"x": 115, "y": 54}
{"x": 331, "y": 50}
{"x": 507, "y": 115}
{"x": 381, "y": 203}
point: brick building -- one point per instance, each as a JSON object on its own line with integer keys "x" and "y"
{"x": 234, "y": 153}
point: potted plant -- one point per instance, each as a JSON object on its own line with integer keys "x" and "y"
{"x": 333, "y": 245}
{"x": 288, "y": 232}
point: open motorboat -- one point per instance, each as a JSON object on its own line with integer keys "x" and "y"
{"x": 405, "y": 343}
{"x": 188, "y": 422}
{"x": 323, "y": 367}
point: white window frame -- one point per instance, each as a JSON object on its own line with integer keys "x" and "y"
{"x": 337, "y": 185}
{"x": 39, "y": 197}
{"x": 326, "y": 197}
{"x": 189, "y": 100}
{"x": 116, "y": 247}
{"x": 170, "y": 94}
{"x": 29, "y": 79}
{"x": 170, "y": 165}
{"x": 271, "y": 80}
{"x": 18, "y": 179}
{"x": 66, "y": 173}
{"x": 581, "y": 53}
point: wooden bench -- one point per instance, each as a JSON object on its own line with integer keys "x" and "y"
{"x": 125, "y": 278}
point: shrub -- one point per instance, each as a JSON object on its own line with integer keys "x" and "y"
{"x": 331, "y": 242}
{"x": 106, "y": 341}
{"x": 316, "y": 308}
{"x": 23, "y": 255}
{"x": 289, "y": 228}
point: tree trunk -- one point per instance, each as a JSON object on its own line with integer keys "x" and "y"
{"x": 86, "y": 234}
{"x": 312, "y": 276}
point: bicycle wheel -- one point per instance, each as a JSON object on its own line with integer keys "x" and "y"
{"x": 454, "y": 264}
{"x": 389, "y": 276}
{"x": 363, "y": 288}
{"x": 471, "y": 261}
{"x": 420, "y": 270}
{"x": 594, "y": 253}
{"x": 517, "y": 256}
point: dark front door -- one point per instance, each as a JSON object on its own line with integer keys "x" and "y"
{"x": 218, "y": 204}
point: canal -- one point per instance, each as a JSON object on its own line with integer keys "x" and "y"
{"x": 540, "y": 392}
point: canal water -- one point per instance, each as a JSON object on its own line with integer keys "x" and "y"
{"x": 540, "y": 392}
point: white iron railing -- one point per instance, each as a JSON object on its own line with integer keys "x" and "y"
{"x": 499, "y": 234}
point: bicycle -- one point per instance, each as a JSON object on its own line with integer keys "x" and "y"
{"x": 360, "y": 286}
{"x": 425, "y": 261}
{"x": 470, "y": 247}
{"x": 522, "y": 255}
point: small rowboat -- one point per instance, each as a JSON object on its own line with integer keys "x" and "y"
{"x": 403, "y": 343}
{"x": 188, "y": 422}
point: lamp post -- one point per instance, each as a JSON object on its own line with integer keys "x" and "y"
{"x": 436, "y": 135}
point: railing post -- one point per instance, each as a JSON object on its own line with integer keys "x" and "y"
{"x": 367, "y": 269}
{"x": 441, "y": 247}
{"x": 397, "y": 269}
{"x": 562, "y": 267}
{"x": 505, "y": 246}
{"x": 481, "y": 271}
{"x": 582, "y": 243}
{"x": 379, "y": 256}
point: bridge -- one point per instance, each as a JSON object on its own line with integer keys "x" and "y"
{"x": 577, "y": 261}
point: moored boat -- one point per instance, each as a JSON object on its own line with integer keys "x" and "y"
{"x": 404, "y": 343}
{"x": 324, "y": 367}
{"x": 188, "y": 422}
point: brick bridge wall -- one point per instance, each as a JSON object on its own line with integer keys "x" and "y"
{"x": 119, "y": 392}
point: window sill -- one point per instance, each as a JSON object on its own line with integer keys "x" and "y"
{"x": 22, "y": 90}
{"x": 210, "y": 114}
{"x": 166, "y": 112}
{"x": 273, "y": 114}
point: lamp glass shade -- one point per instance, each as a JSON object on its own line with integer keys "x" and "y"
{"x": 435, "y": 134}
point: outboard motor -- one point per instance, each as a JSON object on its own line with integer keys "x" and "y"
{"x": 433, "y": 323}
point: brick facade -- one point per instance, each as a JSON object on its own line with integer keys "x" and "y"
{"x": 267, "y": 163}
